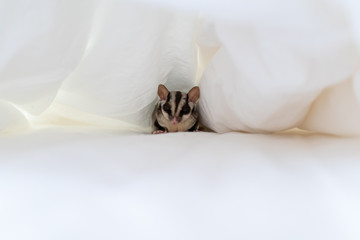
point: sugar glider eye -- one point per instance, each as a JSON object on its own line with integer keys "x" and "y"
{"x": 166, "y": 107}
{"x": 185, "y": 110}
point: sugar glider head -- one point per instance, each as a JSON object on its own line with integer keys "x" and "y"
{"x": 177, "y": 106}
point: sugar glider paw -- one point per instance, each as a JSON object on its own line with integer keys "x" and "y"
{"x": 158, "y": 132}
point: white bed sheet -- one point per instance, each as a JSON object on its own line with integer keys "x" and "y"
{"x": 58, "y": 184}
{"x": 262, "y": 65}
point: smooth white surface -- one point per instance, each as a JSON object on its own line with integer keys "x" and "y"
{"x": 63, "y": 185}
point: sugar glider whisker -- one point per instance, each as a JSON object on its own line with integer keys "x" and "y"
{"x": 176, "y": 111}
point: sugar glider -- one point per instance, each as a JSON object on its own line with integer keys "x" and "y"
{"x": 176, "y": 111}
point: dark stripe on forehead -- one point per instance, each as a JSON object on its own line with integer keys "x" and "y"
{"x": 178, "y": 97}
{"x": 168, "y": 97}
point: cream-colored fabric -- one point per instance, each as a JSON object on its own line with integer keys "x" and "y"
{"x": 90, "y": 60}
{"x": 262, "y": 66}
{"x": 270, "y": 68}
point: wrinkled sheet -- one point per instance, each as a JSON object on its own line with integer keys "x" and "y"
{"x": 262, "y": 66}
{"x": 81, "y": 73}
{"x": 94, "y": 58}
{"x": 282, "y": 64}
{"x": 87, "y": 185}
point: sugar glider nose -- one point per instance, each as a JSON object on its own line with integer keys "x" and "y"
{"x": 174, "y": 121}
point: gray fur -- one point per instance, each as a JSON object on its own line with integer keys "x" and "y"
{"x": 178, "y": 104}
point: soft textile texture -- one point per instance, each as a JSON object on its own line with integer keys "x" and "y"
{"x": 179, "y": 186}
{"x": 272, "y": 66}
{"x": 262, "y": 66}
{"x": 101, "y": 58}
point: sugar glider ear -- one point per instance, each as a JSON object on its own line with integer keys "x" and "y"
{"x": 194, "y": 94}
{"x": 162, "y": 92}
